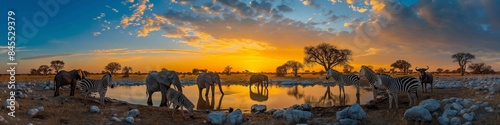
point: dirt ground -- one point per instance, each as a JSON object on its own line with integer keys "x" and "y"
{"x": 70, "y": 110}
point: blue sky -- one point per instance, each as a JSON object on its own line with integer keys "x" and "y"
{"x": 184, "y": 34}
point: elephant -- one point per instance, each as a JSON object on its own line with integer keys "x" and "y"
{"x": 206, "y": 80}
{"x": 260, "y": 79}
{"x": 261, "y": 95}
{"x": 161, "y": 81}
{"x": 64, "y": 78}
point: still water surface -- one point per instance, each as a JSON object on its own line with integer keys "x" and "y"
{"x": 243, "y": 97}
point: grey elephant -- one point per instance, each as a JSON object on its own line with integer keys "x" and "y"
{"x": 64, "y": 78}
{"x": 260, "y": 79}
{"x": 206, "y": 80}
{"x": 161, "y": 81}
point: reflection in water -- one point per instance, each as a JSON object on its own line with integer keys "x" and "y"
{"x": 237, "y": 96}
{"x": 261, "y": 95}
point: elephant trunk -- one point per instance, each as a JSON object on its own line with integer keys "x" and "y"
{"x": 220, "y": 86}
{"x": 177, "y": 83}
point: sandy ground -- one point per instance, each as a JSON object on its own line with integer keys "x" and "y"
{"x": 70, "y": 110}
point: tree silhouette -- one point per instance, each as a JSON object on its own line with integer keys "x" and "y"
{"x": 295, "y": 66}
{"x": 44, "y": 69}
{"x": 34, "y": 72}
{"x": 326, "y": 55}
{"x": 348, "y": 68}
{"x": 126, "y": 71}
{"x": 227, "y": 70}
{"x": 380, "y": 70}
{"x": 281, "y": 71}
{"x": 462, "y": 59}
{"x": 112, "y": 67}
{"x": 439, "y": 70}
{"x": 57, "y": 65}
{"x": 402, "y": 65}
{"x": 480, "y": 68}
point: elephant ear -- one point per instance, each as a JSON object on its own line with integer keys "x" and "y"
{"x": 162, "y": 78}
{"x": 209, "y": 78}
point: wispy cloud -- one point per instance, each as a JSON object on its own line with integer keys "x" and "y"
{"x": 48, "y": 56}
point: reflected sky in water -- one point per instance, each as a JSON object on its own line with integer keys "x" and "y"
{"x": 240, "y": 96}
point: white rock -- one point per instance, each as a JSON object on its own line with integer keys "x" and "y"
{"x": 6, "y": 104}
{"x": 235, "y": 117}
{"x": 116, "y": 119}
{"x": 129, "y": 120}
{"x": 347, "y": 121}
{"x": 2, "y": 119}
{"x": 295, "y": 106}
{"x": 473, "y": 108}
{"x": 133, "y": 113}
{"x": 296, "y": 116}
{"x": 488, "y": 109}
{"x": 457, "y": 106}
{"x": 40, "y": 108}
{"x": 463, "y": 111}
{"x": 455, "y": 121}
{"x": 467, "y": 123}
{"x": 443, "y": 120}
{"x": 417, "y": 113}
{"x": 278, "y": 114}
{"x": 29, "y": 124}
{"x": 450, "y": 112}
{"x": 446, "y": 101}
{"x": 430, "y": 104}
{"x": 94, "y": 109}
{"x": 484, "y": 104}
{"x": 306, "y": 107}
{"x": 467, "y": 103}
{"x": 258, "y": 108}
{"x": 32, "y": 112}
{"x": 468, "y": 116}
{"x": 217, "y": 117}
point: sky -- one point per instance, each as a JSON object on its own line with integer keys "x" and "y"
{"x": 254, "y": 35}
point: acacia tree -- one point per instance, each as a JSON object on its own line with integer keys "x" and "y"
{"x": 126, "y": 71}
{"x": 348, "y": 68}
{"x": 34, "y": 72}
{"x": 480, "y": 68}
{"x": 380, "y": 70}
{"x": 281, "y": 71}
{"x": 44, "y": 69}
{"x": 57, "y": 65}
{"x": 439, "y": 70}
{"x": 326, "y": 55}
{"x": 402, "y": 65}
{"x": 462, "y": 59}
{"x": 227, "y": 70}
{"x": 112, "y": 67}
{"x": 294, "y": 66}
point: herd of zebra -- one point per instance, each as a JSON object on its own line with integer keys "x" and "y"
{"x": 383, "y": 82}
{"x": 161, "y": 81}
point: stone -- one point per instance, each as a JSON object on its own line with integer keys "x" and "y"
{"x": 446, "y": 101}
{"x": 29, "y": 124}
{"x": 258, "y": 108}
{"x": 217, "y": 117}
{"x": 272, "y": 111}
{"x": 2, "y": 119}
{"x": 235, "y": 117}
{"x": 468, "y": 117}
{"x": 129, "y": 120}
{"x": 354, "y": 112}
{"x": 443, "y": 120}
{"x": 417, "y": 113}
{"x": 32, "y": 112}
{"x": 295, "y": 106}
{"x": 94, "y": 109}
{"x": 306, "y": 107}
{"x": 6, "y": 104}
{"x": 455, "y": 121}
{"x": 116, "y": 119}
{"x": 133, "y": 113}
{"x": 473, "y": 108}
{"x": 114, "y": 115}
{"x": 296, "y": 116}
{"x": 463, "y": 111}
{"x": 467, "y": 103}
{"x": 467, "y": 123}
{"x": 278, "y": 114}
{"x": 484, "y": 104}
{"x": 430, "y": 104}
{"x": 347, "y": 121}
{"x": 457, "y": 106}
{"x": 488, "y": 109}
{"x": 40, "y": 108}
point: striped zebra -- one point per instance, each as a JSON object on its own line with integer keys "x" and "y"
{"x": 372, "y": 78}
{"x": 404, "y": 84}
{"x": 344, "y": 80}
{"x": 87, "y": 86}
{"x": 179, "y": 100}
{"x": 425, "y": 78}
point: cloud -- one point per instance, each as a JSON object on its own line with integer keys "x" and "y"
{"x": 207, "y": 7}
{"x": 284, "y": 8}
{"x": 137, "y": 14}
{"x": 113, "y": 9}
{"x": 311, "y": 3}
{"x": 48, "y": 56}
{"x": 96, "y": 33}
{"x": 100, "y": 16}
{"x": 183, "y": 2}
{"x": 126, "y": 51}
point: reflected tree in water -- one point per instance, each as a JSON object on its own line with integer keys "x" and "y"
{"x": 295, "y": 92}
{"x": 329, "y": 99}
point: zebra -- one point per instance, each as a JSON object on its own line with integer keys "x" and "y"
{"x": 179, "y": 100}
{"x": 425, "y": 78}
{"x": 395, "y": 86}
{"x": 88, "y": 86}
{"x": 344, "y": 80}
{"x": 372, "y": 78}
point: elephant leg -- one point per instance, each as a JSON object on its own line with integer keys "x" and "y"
{"x": 200, "y": 89}
{"x": 208, "y": 89}
{"x": 163, "y": 90}
{"x": 213, "y": 90}
{"x": 150, "y": 102}
{"x": 73, "y": 87}
{"x": 56, "y": 92}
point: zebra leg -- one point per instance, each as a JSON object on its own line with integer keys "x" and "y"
{"x": 182, "y": 111}
{"x": 396, "y": 100}
{"x": 374, "y": 93}
{"x": 102, "y": 95}
{"x": 390, "y": 100}
{"x": 410, "y": 98}
{"x": 85, "y": 97}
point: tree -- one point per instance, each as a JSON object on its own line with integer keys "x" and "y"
{"x": 227, "y": 70}
{"x": 34, "y": 72}
{"x": 44, "y": 69}
{"x": 57, "y": 65}
{"x": 439, "y": 70}
{"x": 322, "y": 72}
{"x": 112, "y": 67}
{"x": 281, "y": 71}
{"x": 480, "y": 68}
{"x": 326, "y": 55}
{"x": 402, "y": 65}
{"x": 348, "y": 68}
{"x": 462, "y": 59}
{"x": 447, "y": 71}
{"x": 380, "y": 70}
{"x": 126, "y": 71}
{"x": 163, "y": 69}
{"x": 307, "y": 71}
{"x": 294, "y": 66}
